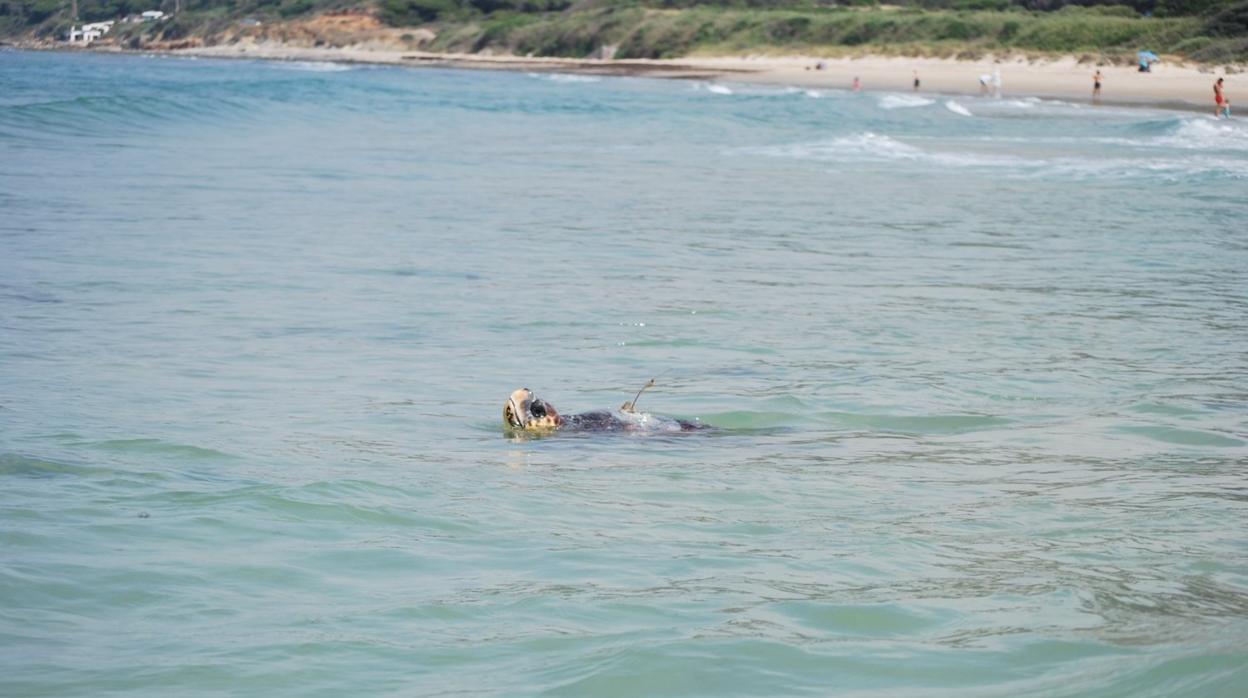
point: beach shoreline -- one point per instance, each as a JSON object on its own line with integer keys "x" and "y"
{"x": 1170, "y": 85}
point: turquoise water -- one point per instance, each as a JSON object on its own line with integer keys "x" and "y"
{"x": 977, "y": 368}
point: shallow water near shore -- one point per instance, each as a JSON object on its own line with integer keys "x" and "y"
{"x": 976, "y": 369}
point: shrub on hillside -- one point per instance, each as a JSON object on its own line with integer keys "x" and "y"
{"x": 1224, "y": 51}
{"x": 401, "y": 13}
{"x": 99, "y": 10}
{"x": 526, "y": 6}
{"x": 1231, "y": 21}
{"x": 40, "y": 10}
{"x": 993, "y": 5}
{"x": 294, "y": 8}
{"x": 1184, "y": 8}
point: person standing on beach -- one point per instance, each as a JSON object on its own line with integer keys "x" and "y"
{"x": 916, "y": 81}
{"x": 857, "y": 84}
{"x": 1096, "y": 87}
{"x": 1220, "y": 104}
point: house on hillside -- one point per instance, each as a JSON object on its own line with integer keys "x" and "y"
{"x": 88, "y": 32}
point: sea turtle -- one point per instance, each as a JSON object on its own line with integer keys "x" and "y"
{"x": 525, "y": 413}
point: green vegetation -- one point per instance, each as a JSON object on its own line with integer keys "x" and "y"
{"x": 639, "y": 32}
{"x": 968, "y": 28}
{"x": 1208, "y": 30}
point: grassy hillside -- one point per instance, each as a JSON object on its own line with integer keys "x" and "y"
{"x": 1206, "y": 30}
{"x": 653, "y": 33}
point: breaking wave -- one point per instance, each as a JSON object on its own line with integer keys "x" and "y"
{"x": 1200, "y": 133}
{"x": 858, "y": 146}
{"x": 957, "y": 108}
{"x": 904, "y": 101}
{"x": 564, "y": 77}
{"x": 317, "y": 66}
{"x": 1003, "y": 155}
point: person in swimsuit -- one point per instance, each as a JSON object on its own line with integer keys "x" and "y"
{"x": 1220, "y": 104}
{"x": 1096, "y": 87}
{"x": 916, "y": 81}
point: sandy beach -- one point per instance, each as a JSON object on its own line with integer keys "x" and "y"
{"x": 1171, "y": 84}
{"x": 1168, "y": 85}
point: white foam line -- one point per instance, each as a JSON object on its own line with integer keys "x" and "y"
{"x": 957, "y": 108}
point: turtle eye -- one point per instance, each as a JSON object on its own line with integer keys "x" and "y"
{"x": 538, "y": 409}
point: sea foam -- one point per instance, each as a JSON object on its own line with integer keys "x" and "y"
{"x": 859, "y": 146}
{"x": 317, "y": 66}
{"x": 904, "y": 101}
{"x": 565, "y": 77}
{"x": 873, "y": 147}
{"x": 957, "y": 108}
{"x": 1202, "y": 133}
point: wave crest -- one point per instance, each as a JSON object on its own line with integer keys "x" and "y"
{"x": 957, "y": 108}
{"x": 904, "y": 101}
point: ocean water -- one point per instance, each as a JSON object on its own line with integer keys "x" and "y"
{"x": 977, "y": 370}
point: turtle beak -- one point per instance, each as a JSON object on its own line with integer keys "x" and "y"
{"x": 516, "y": 413}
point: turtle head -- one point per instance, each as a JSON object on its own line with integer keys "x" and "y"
{"x": 523, "y": 412}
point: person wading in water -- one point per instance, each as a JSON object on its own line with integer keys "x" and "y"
{"x": 1220, "y": 104}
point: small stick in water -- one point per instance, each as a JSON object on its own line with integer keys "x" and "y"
{"x": 632, "y": 404}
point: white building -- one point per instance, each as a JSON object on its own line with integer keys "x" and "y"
{"x": 89, "y": 32}
{"x": 152, "y": 15}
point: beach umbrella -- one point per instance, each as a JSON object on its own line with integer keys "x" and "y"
{"x": 1148, "y": 56}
